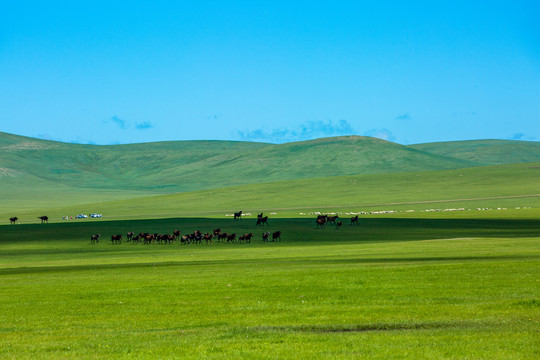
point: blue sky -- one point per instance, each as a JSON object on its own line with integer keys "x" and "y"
{"x": 410, "y": 72}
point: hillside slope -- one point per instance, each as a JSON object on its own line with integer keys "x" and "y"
{"x": 514, "y": 185}
{"x": 486, "y": 152}
{"x": 179, "y": 166}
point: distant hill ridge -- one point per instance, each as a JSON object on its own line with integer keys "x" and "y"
{"x": 179, "y": 166}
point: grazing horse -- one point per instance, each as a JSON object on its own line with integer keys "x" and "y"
{"x": 116, "y": 239}
{"x": 354, "y": 220}
{"x": 321, "y": 222}
{"x": 44, "y": 219}
{"x": 208, "y": 238}
{"x": 262, "y": 220}
{"x": 276, "y": 235}
{"x": 148, "y": 239}
{"x": 94, "y": 239}
{"x": 166, "y": 239}
{"x": 184, "y": 240}
{"x": 222, "y": 236}
{"x": 332, "y": 219}
{"x": 265, "y": 236}
{"x": 13, "y": 220}
{"x": 231, "y": 237}
{"x": 238, "y": 215}
{"x": 247, "y": 237}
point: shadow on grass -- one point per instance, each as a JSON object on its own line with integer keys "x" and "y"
{"x": 258, "y": 261}
{"x": 295, "y": 230}
{"x": 377, "y": 327}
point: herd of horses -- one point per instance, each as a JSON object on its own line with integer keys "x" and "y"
{"x": 196, "y": 237}
{"x": 323, "y": 220}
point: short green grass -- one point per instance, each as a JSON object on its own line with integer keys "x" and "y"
{"x": 408, "y": 284}
{"x": 503, "y": 186}
{"x": 388, "y": 288}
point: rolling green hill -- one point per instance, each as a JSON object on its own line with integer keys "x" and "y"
{"x": 166, "y": 167}
{"x": 40, "y": 174}
{"x": 486, "y": 152}
{"x": 492, "y": 186}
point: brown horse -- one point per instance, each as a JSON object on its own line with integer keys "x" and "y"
{"x": 44, "y": 219}
{"x": 222, "y": 236}
{"x": 231, "y": 238}
{"x": 332, "y": 219}
{"x": 116, "y": 239}
{"x": 13, "y": 220}
{"x": 208, "y": 238}
{"x": 94, "y": 239}
{"x": 262, "y": 220}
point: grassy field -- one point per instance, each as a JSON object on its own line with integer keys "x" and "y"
{"x": 412, "y": 280}
{"x": 388, "y": 288}
{"x": 503, "y": 186}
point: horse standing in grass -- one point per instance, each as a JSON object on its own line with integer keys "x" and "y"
{"x": 354, "y": 220}
{"x": 231, "y": 238}
{"x": 321, "y": 222}
{"x": 94, "y": 239}
{"x": 44, "y": 219}
{"x": 276, "y": 236}
{"x": 265, "y": 236}
{"x": 262, "y": 220}
{"x": 222, "y": 236}
{"x": 208, "y": 238}
{"x": 116, "y": 239}
{"x": 332, "y": 219}
{"x": 238, "y": 215}
{"x": 13, "y": 220}
{"x": 129, "y": 236}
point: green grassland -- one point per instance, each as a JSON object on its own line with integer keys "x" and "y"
{"x": 502, "y": 186}
{"x": 388, "y": 288}
{"x": 409, "y": 283}
{"x": 486, "y": 152}
{"x": 169, "y": 167}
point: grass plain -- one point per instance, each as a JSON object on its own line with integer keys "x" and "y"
{"x": 389, "y": 288}
{"x": 407, "y": 284}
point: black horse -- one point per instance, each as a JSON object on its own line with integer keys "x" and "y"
{"x": 44, "y": 219}
{"x": 238, "y": 215}
{"x": 354, "y": 220}
{"x": 13, "y": 220}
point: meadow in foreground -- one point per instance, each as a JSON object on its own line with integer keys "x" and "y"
{"x": 389, "y": 288}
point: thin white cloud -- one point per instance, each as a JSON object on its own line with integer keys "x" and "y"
{"x": 306, "y": 131}
{"x": 383, "y": 134}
